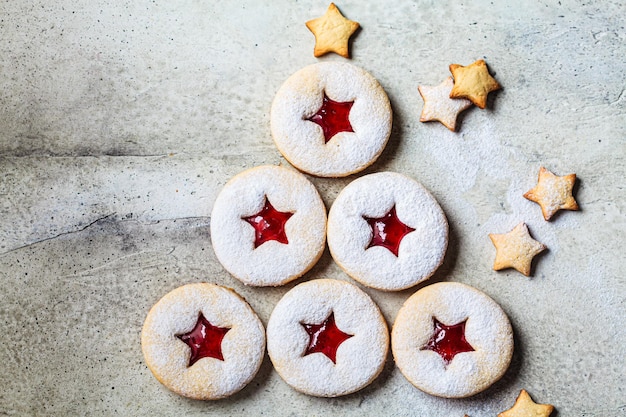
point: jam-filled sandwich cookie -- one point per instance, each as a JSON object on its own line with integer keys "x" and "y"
{"x": 387, "y": 231}
{"x": 331, "y": 119}
{"x": 203, "y": 341}
{"x": 327, "y": 338}
{"x": 451, "y": 340}
{"x": 268, "y": 226}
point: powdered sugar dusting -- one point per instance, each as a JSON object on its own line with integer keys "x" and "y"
{"x": 487, "y": 330}
{"x": 168, "y": 357}
{"x": 302, "y": 142}
{"x": 477, "y": 158}
{"x": 272, "y": 263}
{"x": 420, "y": 253}
{"x": 359, "y": 359}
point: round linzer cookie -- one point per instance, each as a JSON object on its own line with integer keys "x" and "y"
{"x": 203, "y": 341}
{"x": 327, "y": 338}
{"x": 387, "y": 231}
{"x": 331, "y": 119}
{"x": 451, "y": 340}
{"x": 268, "y": 226}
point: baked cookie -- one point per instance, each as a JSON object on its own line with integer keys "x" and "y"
{"x": 473, "y": 82}
{"x": 438, "y": 106}
{"x": 332, "y": 32}
{"x": 451, "y": 340}
{"x": 387, "y": 231}
{"x": 525, "y": 407}
{"x": 331, "y": 119}
{"x": 327, "y": 338}
{"x": 553, "y": 193}
{"x": 515, "y": 249}
{"x": 203, "y": 341}
{"x": 268, "y": 226}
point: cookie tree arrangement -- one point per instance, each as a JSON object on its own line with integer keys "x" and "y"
{"x": 326, "y": 337}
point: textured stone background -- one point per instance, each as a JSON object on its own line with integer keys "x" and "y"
{"x": 121, "y": 121}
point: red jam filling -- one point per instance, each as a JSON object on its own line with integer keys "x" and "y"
{"x": 269, "y": 224}
{"x": 325, "y": 338}
{"x": 333, "y": 117}
{"x": 448, "y": 341}
{"x": 205, "y": 340}
{"x": 388, "y": 231}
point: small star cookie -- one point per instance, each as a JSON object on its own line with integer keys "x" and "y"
{"x": 526, "y": 407}
{"x": 553, "y": 193}
{"x": 439, "y": 106}
{"x": 332, "y": 32}
{"x": 515, "y": 249}
{"x": 473, "y": 82}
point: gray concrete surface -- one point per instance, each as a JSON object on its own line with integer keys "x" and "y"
{"x": 121, "y": 121}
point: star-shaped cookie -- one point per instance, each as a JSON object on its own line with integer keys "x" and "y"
{"x": 332, "y": 32}
{"x": 439, "y": 106}
{"x": 553, "y": 193}
{"x": 525, "y": 407}
{"x": 473, "y": 82}
{"x": 515, "y": 249}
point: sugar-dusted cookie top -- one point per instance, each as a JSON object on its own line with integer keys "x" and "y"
{"x": 452, "y": 340}
{"x": 203, "y": 341}
{"x": 553, "y": 193}
{"x": 331, "y": 119}
{"x": 439, "y": 106}
{"x": 387, "y": 231}
{"x": 327, "y": 338}
{"x": 268, "y": 226}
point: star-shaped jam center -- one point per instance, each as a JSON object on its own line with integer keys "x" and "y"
{"x": 325, "y": 337}
{"x": 204, "y": 340}
{"x": 448, "y": 341}
{"x": 332, "y": 117}
{"x": 269, "y": 224}
{"x": 388, "y": 231}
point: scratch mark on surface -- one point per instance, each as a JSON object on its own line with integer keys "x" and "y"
{"x": 87, "y": 226}
{"x": 619, "y": 97}
{"x": 191, "y": 222}
{"x": 201, "y": 219}
{"x": 77, "y": 154}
